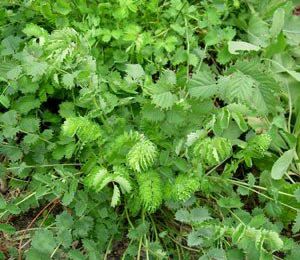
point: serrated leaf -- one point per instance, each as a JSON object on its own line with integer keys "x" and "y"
{"x": 14, "y": 73}
{"x": 195, "y": 239}
{"x": 164, "y": 100}
{"x": 182, "y": 215}
{"x": 215, "y": 254}
{"x": 29, "y": 124}
{"x": 26, "y": 104}
{"x": 26, "y": 85}
{"x": 76, "y": 255}
{"x": 66, "y": 110}
{"x": 69, "y": 195}
{"x": 297, "y": 194}
{"x": 115, "y": 199}
{"x": 151, "y": 113}
{"x": 30, "y": 139}
{"x": 135, "y": 71}
{"x": 230, "y": 203}
{"x": 203, "y": 85}
{"x": 35, "y": 69}
{"x": 199, "y": 215}
{"x": 139, "y": 231}
{"x": 64, "y": 220}
{"x": 43, "y": 241}
{"x": 296, "y": 225}
{"x": 68, "y": 80}
{"x": 14, "y": 153}
{"x": 282, "y": 164}
{"x": 10, "y": 45}
{"x": 83, "y": 226}
{"x": 9, "y": 118}
{"x": 62, "y": 7}
{"x": 250, "y": 80}
{"x": 32, "y": 29}
{"x": 123, "y": 182}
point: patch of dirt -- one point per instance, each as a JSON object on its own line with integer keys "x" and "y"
{"x": 118, "y": 249}
{"x": 297, "y": 11}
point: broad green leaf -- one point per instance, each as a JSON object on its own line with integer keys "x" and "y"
{"x": 199, "y": 215}
{"x": 32, "y": 29}
{"x": 294, "y": 74}
{"x": 292, "y": 30}
{"x": 164, "y": 100}
{"x": 265, "y": 89}
{"x": 43, "y": 241}
{"x": 296, "y": 226}
{"x": 2, "y": 200}
{"x": 14, "y": 73}
{"x": 6, "y": 228}
{"x": 29, "y": 124}
{"x": 195, "y": 239}
{"x": 182, "y": 215}
{"x": 258, "y": 32}
{"x": 235, "y": 46}
{"x": 4, "y": 100}
{"x": 239, "y": 119}
{"x": 214, "y": 253}
{"x": 137, "y": 232}
{"x": 26, "y": 103}
{"x": 277, "y": 46}
{"x": 277, "y": 22}
{"x": 66, "y": 110}
{"x": 68, "y": 80}
{"x": 69, "y": 195}
{"x": 202, "y": 85}
{"x": 10, "y": 45}
{"x": 9, "y": 118}
{"x": 230, "y": 203}
{"x": 35, "y": 69}
{"x": 83, "y": 226}
{"x": 76, "y": 255}
{"x": 64, "y": 220}
{"x": 211, "y": 38}
{"x": 135, "y": 71}
{"x": 62, "y": 7}
{"x": 282, "y": 164}
{"x": 297, "y": 194}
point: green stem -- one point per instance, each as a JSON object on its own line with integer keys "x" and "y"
{"x": 202, "y": 58}
{"x": 54, "y": 251}
{"x": 261, "y": 194}
{"x": 187, "y": 49}
{"x": 154, "y": 227}
{"x": 18, "y": 203}
{"x": 108, "y": 248}
{"x": 140, "y": 248}
{"x": 260, "y": 187}
{"x": 45, "y": 165}
{"x": 128, "y": 219}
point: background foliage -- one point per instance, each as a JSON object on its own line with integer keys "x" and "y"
{"x": 149, "y": 129}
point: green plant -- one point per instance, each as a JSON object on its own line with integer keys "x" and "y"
{"x": 170, "y": 127}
